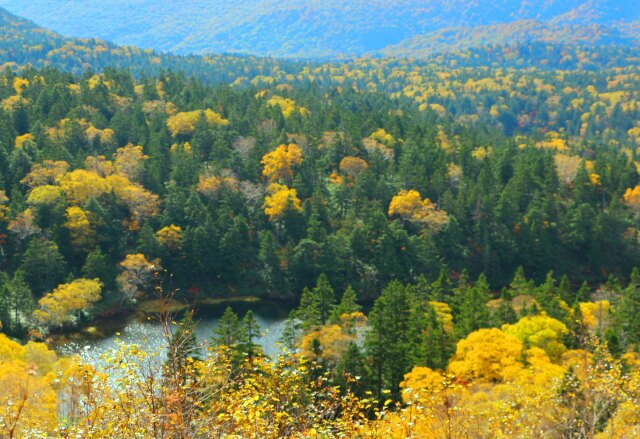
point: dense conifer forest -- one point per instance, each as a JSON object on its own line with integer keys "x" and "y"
{"x": 459, "y": 234}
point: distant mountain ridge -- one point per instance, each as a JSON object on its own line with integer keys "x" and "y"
{"x": 336, "y": 28}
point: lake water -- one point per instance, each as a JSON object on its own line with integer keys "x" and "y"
{"x": 148, "y": 333}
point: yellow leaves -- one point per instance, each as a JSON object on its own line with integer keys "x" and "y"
{"x": 454, "y": 172}
{"x": 281, "y": 200}
{"x": 129, "y": 161}
{"x": 380, "y": 142}
{"x": 137, "y": 275}
{"x": 438, "y": 109}
{"x": 444, "y": 313}
{"x": 596, "y": 315}
{"x": 485, "y": 355}
{"x": 20, "y": 85}
{"x": 105, "y": 137}
{"x": 540, "y": 331}
{"x": 444, "y": 141}
{"x": 11, "y": 103}
{"x": 9, "y": 349}
{"x": 327, "y": 342}
{"x": 80, "y": 185}
{"x": 422, "y": 379}
{"x": 278, "y": 164}
{"x": 594, "y": 179}
{"x": 46, "y": 195}
{"x": 59, "y": 306}
{"x": 632, "y": 199}
{"x": 24, "y": 225}
{"x": 45, "y": 173}
{"x": 382, "y": 136}
{"x": 410, "y": 206}
{"x": 287, "y": 106}
{"x": 141, "y": 203}
{"x": 99, "y": 165}
{"x": 185, "y": 123}
{"x": 21, "y": 140}
{"x": 170, "y": 236}
{"x": 554, "y": 142}
{"x": 335, "y": 179}
{"x": 211, "y": 186}
{"x": 27, "y": 401}
{"x": 96, "y": 80}
{"x": 82, "y": 235}
{"x": 481, "y": 153}
{"x": 634, "y": 134}
{"x": 353, "y": 166}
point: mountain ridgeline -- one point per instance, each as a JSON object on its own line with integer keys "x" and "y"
{"x": 336, "y": 28}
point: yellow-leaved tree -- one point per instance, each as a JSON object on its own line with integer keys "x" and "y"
{"x": 278, "y": 164}
{"x": 281, "y": 200}
{"x": 80, "y": 185}
{"x": 137, "y": 275}
{"x": 65, "y": 303}
{"x": 485, "y": 355}
{"x": 28, "y": 400}
{"x": 82, "y": 234}
{"x": 185, "y": 122}
{"x": 540, "y": 331}
{"x": 409, "y": 205}
{"x": 353, "y": 166}
{"x": 170, "y": 236}
{"x": 45, "y": 173}
{"x": 46, "y": 195}
{"x": 210, "y": 187}
{"x": 129, "y": 161}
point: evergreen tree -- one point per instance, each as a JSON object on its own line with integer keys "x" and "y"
{"x": 628, "y": 312}
{"x": 348, "y": 305}
{"x": 474, "y": 313}
{"x": 228, "y": 331}
{"x": 250, "y": 331}
{"x": 390, "y": 338}
{"x": 43, "y": 266}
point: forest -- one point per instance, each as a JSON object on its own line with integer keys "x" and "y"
{"x": 459, "y": 235}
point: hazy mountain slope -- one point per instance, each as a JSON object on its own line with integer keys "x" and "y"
{"x": 514, "y": 33}
{"x": 308, "y": 28}
{"x": 24, "y": 43}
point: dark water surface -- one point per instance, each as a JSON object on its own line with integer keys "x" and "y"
{"x": 148, "y": 334}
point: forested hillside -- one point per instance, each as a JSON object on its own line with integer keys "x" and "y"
{"x": 335, "y": 28}
{"x": 460, "y": 237}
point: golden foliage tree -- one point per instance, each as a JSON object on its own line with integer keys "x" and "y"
{"x": 82, "y": 234}
{"x": 353, "y": 166}
{"x": 80, "y": 185}
{"x": 185, "y": 122}
{"x": 129, "y": 161}
{"x": 540, "y": 331}
{"x": 278, "y": 164}
{"x": 63, "y": 304}
{"x": 136, "y": 276}
{"x": 170, "y": 236}
{"x": 280, "y": 200}
{"x": 45, "y": 173}
{"x": 410, "y": 206}
{"x": 485, "y": 355}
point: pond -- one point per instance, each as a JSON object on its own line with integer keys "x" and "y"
{"x": 148, "y": 334}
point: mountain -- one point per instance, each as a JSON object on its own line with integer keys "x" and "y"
{"x": 23, "y": 43}
{"x": 334, "y": 28}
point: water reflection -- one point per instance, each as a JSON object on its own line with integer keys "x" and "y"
{"x": 148, "y": 334}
